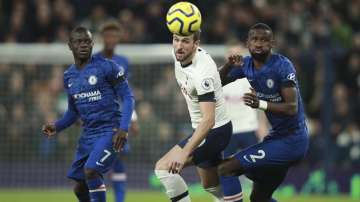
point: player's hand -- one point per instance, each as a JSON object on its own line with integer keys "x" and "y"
{"x": 177, "y": 162}
{"x": 49, "y": 130}
{"x": 119, "y": 139}
{"x": 235, "y": 59}
{"x": 251, "y": 99}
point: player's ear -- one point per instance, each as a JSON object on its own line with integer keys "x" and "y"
{"x": 197, "y": 43}
{"x": 69, "y": 45}
{"x": 272, "y": 43}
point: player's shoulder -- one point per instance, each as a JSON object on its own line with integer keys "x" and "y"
{"x": 102, "y": 62}
{"x": 70, "y": 70}
{"x": 203, "y": 61}
{"x": 247, "y": 60}
{"x": 281, "y": 61}
{"x": 122, "y": 58}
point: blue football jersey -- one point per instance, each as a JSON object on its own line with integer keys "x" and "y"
{"x": 92, "y": 95}
{"x": 267, "y": 83}
{"x": 122, "y": 61}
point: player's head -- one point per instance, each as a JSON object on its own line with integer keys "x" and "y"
{"x": 110, "y": 33}
{"x": 185, "y": 46}
{"x": 81, "y": 43}
{"x": 260, "y": 41}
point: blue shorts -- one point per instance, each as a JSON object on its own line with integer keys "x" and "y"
{"x": 208, "y": 153}
{"x": 95, "y": 153}
{"x": 272, "y": 157}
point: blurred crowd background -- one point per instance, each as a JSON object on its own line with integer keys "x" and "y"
{"x": 322, "y": 38}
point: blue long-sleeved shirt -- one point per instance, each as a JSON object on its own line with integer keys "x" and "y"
{"x": 93, "y": 95}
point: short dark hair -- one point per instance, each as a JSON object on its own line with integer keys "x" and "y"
{"x": 197, "y": 35}
{"x": 78, "y": 29}
{"x": 110, "y": 25}
{"x": 262, "y": 26}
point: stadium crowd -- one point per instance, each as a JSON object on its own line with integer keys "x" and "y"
{"x": 321, "y": 37}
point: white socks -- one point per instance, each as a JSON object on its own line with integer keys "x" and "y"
{"x": 175, "y": 186}
{"x": 216, "y": 192}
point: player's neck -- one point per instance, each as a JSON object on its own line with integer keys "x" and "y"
{"x": 108, "y": 53}
{"x": 80, "y": 64}
{"x": 258, "y": 63}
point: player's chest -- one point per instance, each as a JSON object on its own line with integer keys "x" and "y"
{"x": 86, "y": 81}
{"x": 266, "y": 84}
{"x": 185, "y": 81}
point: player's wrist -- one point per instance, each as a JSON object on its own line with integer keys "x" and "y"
{"x": 263, "y": 105}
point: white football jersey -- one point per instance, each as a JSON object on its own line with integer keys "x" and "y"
{"x": 198, "y": 78}
{"x": 244, "y": 118}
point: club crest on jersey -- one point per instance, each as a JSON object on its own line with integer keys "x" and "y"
{"x": 291, "y": 77}
{"x": 206, "y": 84}
{"x": 92, "y": 80}
{"x": 270, "y": 83}
{"x": 121, "y": 72}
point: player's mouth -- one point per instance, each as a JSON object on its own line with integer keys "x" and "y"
{"x": 180, "y": 53}
{"x": 84, "y": 52}
{"x": 258, "y": 51}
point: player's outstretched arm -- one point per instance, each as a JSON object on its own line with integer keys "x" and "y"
{"x": 227, "y": 67}
{"x": 288, "y": 107}
{"x": 69, "y": 117}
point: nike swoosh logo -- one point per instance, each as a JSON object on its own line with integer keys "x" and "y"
{"x": 70, "y": 84}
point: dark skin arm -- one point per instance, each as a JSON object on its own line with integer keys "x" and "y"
{"x": 227, "y": 67}
{"x": 288, "y": 107}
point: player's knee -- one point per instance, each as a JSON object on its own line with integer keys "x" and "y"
{"x": 91, "y": 173}
{"x": 160, "y": 165}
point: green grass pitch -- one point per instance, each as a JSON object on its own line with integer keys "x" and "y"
{"x": 43, "y": 195}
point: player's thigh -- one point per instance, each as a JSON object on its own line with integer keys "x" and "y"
{"x": 272, "y": 153}
{"x": 232, "y": 147}
{"x": 163, "y": 162}
{"x": 208, "y": 176}
{"x": 230, "y": 167}
{"x": 102, "y": 155}
{"x": 76, "y": 171}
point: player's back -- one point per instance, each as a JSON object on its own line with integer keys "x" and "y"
{"x": 93, "y": 96}
{"x": 267, "y": 82}
{"x": 199, "y": 78}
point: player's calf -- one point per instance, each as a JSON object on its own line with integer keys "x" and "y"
{"x": 96, "y": 185}
{"x": 81, "y": 191}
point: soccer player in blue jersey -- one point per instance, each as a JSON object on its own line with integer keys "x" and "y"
{"x": 94, "y": 86}
{"x": 276, "y": 91}
{"x": 110, "y": 33}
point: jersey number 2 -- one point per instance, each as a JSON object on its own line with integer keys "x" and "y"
{"x": 260, "y": 156}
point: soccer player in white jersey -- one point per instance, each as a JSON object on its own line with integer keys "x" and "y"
{"x": 198, "y": 78}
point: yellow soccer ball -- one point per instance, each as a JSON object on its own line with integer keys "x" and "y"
{"x": 183, "y": 18}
